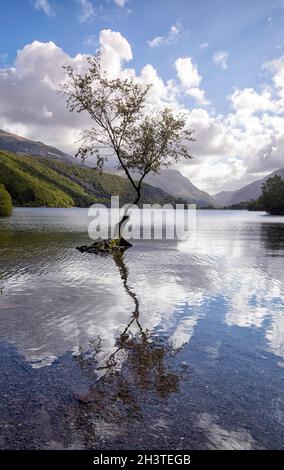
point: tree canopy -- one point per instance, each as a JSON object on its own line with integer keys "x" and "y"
{"x": 142, "y": 142}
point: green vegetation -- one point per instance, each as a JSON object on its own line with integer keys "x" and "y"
{"x": 6, "y": 205}
{"x": 272, "y": 198}
{"x": 37, "y": 182}
{"x": 255, "y": 205}
{"x": 239, "y": 206}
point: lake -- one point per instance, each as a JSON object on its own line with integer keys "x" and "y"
{"x": 168, "y": 347}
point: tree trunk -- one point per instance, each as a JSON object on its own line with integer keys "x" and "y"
{"x": 126, "y": 217}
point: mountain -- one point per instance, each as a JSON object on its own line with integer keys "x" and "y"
{"x": 34, "y": 181}
{"x": 168, "y": 181}
{"x": 174, "y": 183}
{"x": 20, "y": 145}
{"x": 248, "y": 192}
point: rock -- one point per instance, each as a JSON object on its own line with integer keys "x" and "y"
{"x": 106, "y": 246}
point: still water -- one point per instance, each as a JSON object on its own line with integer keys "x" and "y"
{"x": 169, "y": 347}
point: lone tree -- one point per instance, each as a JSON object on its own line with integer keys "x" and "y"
{"x": 272, "y": 198}
{"x": 141, "y": 142}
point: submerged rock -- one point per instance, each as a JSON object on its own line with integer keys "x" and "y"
{"x": 106, "y": 246}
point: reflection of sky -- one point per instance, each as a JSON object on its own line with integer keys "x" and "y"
{"x": 222, "y": 439}
{"x": 56, "y": 299}
{"x": 250, "y": 279}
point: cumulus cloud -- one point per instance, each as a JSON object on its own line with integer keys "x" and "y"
{"x": 190, "y": 79}
{"x": 221, "y": 58}
{"x": 166, "y": 40}
{"x": 187, "y": 73}
{"x": 244, "y": 145}
{"x": 115, "y": 51}
{"x": 204, "y": 45}
{"x": 44, "y": 6}
{"x": 30, "y": 104}
{"x": 249, "y": 101}
{"x": 161, "y": 93}
{"x": 276, "y": 67}
{"x": 257, "y": 123}
{"x": 87, "y": 11}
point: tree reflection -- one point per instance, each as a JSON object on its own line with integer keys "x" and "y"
{"x": 140, "y": 366}
{"x": 272, "y": 236}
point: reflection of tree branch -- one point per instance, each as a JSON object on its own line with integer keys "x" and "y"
{"x": 1, "y": 288}
{"x": 111, "y": 362}
{"x": 119, "y": 261}
{"x": 272, "y": 236}
{"x": 117, "y": 394}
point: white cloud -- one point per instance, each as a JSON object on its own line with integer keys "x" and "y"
{"x": 87, "y": 11}
{"x": 156, "y": 41}
{"x": 160, "y": 93}
{"x": 190, "y": 79}
{"x": 247, "y": 143}
{"x": 43, "y": 5}
{"x": 115, "y": 50}
{"x": 276, "y": 67}
{"x": 166, "y": 40}
{"x": 221, "y": 58}
{"x": 249, "y": 101}
{"x": 204, "y": 45}
{"x": 211, "y": 135}
{"x": 30, "y": 104}
{"x": 187, "y": 73}
{"x": 120, "y": 3}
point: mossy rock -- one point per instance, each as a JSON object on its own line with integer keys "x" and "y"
{"x": 106, "y": 246}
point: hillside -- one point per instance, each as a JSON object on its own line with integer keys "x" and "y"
{"x": 170, "y": 181}
{"x": 20, "y": 145}
{"x": 248, "y": 192}
{"x": 174, "y": 183}
{"x": 33, "y": 181}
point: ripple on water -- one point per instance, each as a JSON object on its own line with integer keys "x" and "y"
{"x": 215, "y": 310}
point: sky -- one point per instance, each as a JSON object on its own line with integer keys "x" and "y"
{"x": 221, "y": 60}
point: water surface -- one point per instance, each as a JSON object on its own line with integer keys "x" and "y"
{"x": 170, "y": 346}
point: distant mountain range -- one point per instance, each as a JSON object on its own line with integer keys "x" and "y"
{"x": 248, "y": 192}
{"x": 171, "y": 182}
{"x": 174, "y": 183}
{"x": 47, "y": 182}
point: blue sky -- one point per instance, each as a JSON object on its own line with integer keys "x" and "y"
{"x": 251, "y": 31}
{"x": 228, "y": 41}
